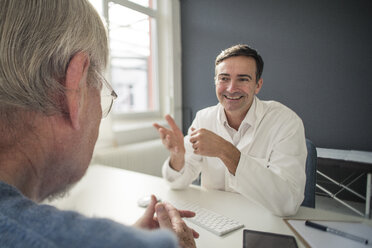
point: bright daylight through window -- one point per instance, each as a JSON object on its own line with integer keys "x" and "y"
{"x": 132, "y": 40}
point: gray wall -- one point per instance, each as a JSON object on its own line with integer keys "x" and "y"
{"x": 317, "y": 54}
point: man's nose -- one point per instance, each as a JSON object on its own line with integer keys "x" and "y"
{"x": 232, "y": 86}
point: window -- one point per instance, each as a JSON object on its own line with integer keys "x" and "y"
{"x": 145, "y": 64}
{"x": 132, "y": 36}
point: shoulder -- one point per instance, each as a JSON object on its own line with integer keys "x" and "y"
{"x": 39, "y": 225}
{"x": 208, "y": 112}
{"x": 207, "y": 117}
{"x": 277, "y": 111}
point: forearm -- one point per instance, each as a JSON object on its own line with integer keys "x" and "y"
{"x": 230, "y": 156}
{"x": 181, "y": 179}
{"x": 177, "y": 161}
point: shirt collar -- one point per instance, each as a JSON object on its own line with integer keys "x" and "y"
{"x": 249, "y": 118}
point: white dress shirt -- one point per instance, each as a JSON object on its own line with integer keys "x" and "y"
{"x": 271, "y": 169}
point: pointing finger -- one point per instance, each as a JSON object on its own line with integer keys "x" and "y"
{"x": 186, "y": 213}
{"x": 157, "y": 126}
{"x": 172, "y": 123}
{"x": 150, "y": 210}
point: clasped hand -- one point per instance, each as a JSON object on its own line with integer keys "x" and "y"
{"x": 206, "y": 143}
{"x": 168, "y": 217}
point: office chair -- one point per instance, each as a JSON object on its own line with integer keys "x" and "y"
{"x": 311, "y": 161}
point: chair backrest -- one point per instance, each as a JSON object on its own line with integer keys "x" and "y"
{"x": 311, "y": 162}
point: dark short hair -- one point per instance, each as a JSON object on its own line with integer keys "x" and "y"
{"x": 242, "y": 50}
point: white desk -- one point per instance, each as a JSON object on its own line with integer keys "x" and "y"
{"x": 113, "y": 193}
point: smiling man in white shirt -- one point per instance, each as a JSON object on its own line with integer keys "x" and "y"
{"x": 242, "y": 144}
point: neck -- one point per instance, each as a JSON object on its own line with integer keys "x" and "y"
{"x": 23, "y": 156}
{"x": 18, "y": 170}
{"x": 235, "y": 119}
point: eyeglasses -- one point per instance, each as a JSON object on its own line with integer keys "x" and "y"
{"x": 108, "y": 96}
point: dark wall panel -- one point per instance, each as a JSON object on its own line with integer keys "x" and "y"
{"x": 318, "y": 60}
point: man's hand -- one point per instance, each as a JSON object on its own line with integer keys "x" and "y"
{"x": 147, "y": 221}
{"x": 170, "y": 218}
{"x": 207, "y": 143}
{"x": 173, "y": 141}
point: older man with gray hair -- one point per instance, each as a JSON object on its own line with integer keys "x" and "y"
{"x": 52, "y": 56}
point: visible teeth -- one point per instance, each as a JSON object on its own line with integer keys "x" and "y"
{"x": 233, "y": 98}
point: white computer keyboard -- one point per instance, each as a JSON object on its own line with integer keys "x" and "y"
{"x": 209, "y": 220}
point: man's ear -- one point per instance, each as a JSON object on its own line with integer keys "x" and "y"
{"x": 76, "y": 75}
{"x": 258, "y": 86}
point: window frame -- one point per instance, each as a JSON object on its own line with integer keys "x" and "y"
{"x": 153, "y": 13}
{"x": 167, "y": 72}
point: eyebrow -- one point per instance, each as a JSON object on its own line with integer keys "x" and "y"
{"x": 224, "y": 74}
{"x": 245, "y": 75}
{"x": 239, "y": 75}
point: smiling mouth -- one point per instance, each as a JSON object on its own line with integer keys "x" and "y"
{"x": 232, "y": 98}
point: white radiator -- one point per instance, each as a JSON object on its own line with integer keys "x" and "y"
{"x": 145, "y": 157}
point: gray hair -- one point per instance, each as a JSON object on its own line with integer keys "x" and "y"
{"x": 37, "y": 40}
